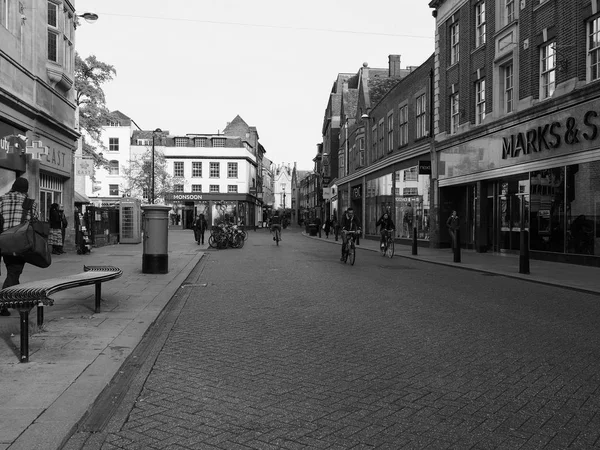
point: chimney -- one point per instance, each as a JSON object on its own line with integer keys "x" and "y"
{"x": 394, "y": 65}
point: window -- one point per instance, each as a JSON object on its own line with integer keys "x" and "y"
{"x": 113, "y": 167}
{"x": 341, "y": 163}
{"x": 68, "y": 49}
{"x": 454, "y": 49}
{"x": 479, "y": 101}
{"x": 215, "y": 171}
{"x": 232, "y": 170}
{"x": 380, "y": 144}
{"x": 200, "y": 142}
{"x": 390, "y": 132}
{"x": 454, "y": 113}
{"x": 410, "y": 191}
{"x": 181, "y": 142}
{"x": 178, "y": 169}
{"x": 113, "y": 144}
{"x": 374, "y": 144}
{"x": 114, "y": 123}
{"x": 53, "y": 32}
{"x": 214, "y": 188}
{"x": 144, "y": 142}
{"x": 218, "y": 142}
{"x": 594, "y": 49}
{"x": 421, "y": 122}
{"x": 113, "y": 189}
{"x": 196, "y": 188}
{"x": 4, "y": 13}
{"x": 508, "y": 87}
{"x": 479, "y": 24}
{"x": 178, "y": 187}
{"x": 403, "y": 125}
{"x": 509, "y": 11}
{"x": 196, "y": 169}
{"x": 547, "y": 70}
{"x": 361, "y": 152}
{"x": 145, "y": 193}
{"x": 411, "y": 174}
{"x": 232, "y": 188}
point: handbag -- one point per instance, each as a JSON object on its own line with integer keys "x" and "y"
{"x": 28, "y": 240}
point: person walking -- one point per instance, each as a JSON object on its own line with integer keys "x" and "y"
{"x": 55, "y": 237}
{"x": 11, "y": 209}
{"x": 202, "y": 226}
{"x": 64, "y": 223}
{"x": 327, "y": 228}
{"x": 319, "y": 225}
{"x": 453, "y": 224}
{"x": 336, "y": 227}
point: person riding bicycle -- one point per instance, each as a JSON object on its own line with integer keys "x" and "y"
{"x": 349, "y": 222}
{"x": 276, "y": 224}
{"x": 387, "y": 225}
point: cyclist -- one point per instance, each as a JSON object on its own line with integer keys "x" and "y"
{"x": 276, "y": 224}
{"x": 349, "y": 222}
{"x": 387, "y": 225}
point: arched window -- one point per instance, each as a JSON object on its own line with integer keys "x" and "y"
{"x": 113, "y": 167}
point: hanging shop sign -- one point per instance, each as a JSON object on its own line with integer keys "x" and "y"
{"x": 356, "y": 192}
{"x": 84, "y": 166}
{"x": 424, "y": 167}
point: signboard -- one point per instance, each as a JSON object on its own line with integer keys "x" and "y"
{"x": 84, "y": 166}
{"x": 356, "y": 192}
{"x": 326, "y": 193}
{"x": 424, "y": 167}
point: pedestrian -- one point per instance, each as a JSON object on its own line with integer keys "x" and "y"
{"x": 319, "y": 225}
{"x": 327, "y": 228}
{"x": 11, "y": 209}
{"x": 202, "y": 226}
{"x": 453, "y": 224}
{"x": 196, "y": 228}
{"x": 64, "y": 223}
{"x": 55, "y": 237}
{"x": 335, "y": 226}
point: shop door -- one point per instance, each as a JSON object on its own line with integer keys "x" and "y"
{"x": 512, "y": 203}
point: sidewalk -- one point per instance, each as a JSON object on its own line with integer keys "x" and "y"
{"x": 77, "y": 352}
{"x": 572, "y": 276}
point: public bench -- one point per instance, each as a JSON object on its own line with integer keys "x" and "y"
{"x": 23, "y": 297}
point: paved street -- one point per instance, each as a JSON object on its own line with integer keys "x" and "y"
{"x": 286, "y": 347}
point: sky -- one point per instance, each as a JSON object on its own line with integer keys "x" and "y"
{"x": 191, "y": 66}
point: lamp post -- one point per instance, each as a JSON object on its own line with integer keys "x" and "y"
{"x": 158, "y": 130}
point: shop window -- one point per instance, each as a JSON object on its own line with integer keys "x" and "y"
{"x": 547, "y": 210}
{"x": 412, "y": 204}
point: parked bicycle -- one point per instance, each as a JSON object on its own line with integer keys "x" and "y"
{"x": 223, "y": 236}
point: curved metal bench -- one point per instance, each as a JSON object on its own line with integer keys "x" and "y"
{"x": 23, "y": 297}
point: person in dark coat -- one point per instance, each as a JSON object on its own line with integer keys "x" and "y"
{"x": 453, "y": 224}
{"x": 335, "y": 225}
{"x": 55, "y": 237}
{"x": 327, "y": 227}
{"x": 319, "y": 225}
{"x": 64, "y": 223}
{"x": 200, "y": 226}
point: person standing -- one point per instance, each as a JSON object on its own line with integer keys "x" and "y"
{"x": 453, "y": 224}
{"x": 202, "y": 226}
{"x": 64, "y": 223}
{"x": 336, "y": 227}
{"x": 55, "y": 237}
{"x": 327, "y": 228}
{"x": 11, "y": 208}
{"x": 319, "y": 225}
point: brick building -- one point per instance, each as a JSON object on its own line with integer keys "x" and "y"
{"x": 516, "y": 125}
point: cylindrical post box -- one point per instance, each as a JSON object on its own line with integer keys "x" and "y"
{"x": 156, "y": 239}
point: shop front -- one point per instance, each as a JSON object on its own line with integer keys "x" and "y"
{"x": 541, "y": 176}
{"x": 217, "y": 208}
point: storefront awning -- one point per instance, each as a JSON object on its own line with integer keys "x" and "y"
{"x": 80, "y": 198}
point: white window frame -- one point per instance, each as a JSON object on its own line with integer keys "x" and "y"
{"x": 4, "y": 11}
{"x": 403, "y": 125}
{"x": 454, "y": 113}
{"x": 232, "y": 189}
{"x": 68, "y": 48}
{"x": 218, "y": 142}
{"x": 200, "y": 142}
{"x": 509, "y": 12}
{"x": 593, "y": 49}
{"x": 178, "y": 187}
{"x": 454, "y": 43}
{"x": 480, "y": 101}
{"x": 547, "y": 70}
{"x": 196, "y": 188}
{"x": 421, "y": 116}
{"x": 508, "y": 86}
{"x": 214, "y": 188}
{"x": 112, "y": 188}
{"x": 232, "y": 170}
{"x": 390, "y": 131}
{"x": 480, "y": 24}
{"x": 374, "y": 143}
{"x": 178, "y": 169}
{"x": 113, "y": 146}
{"x": 214, "y": 167}
{"x": 181, "y": 142}
{"x": 381, "y": 143}
{"x": 196, "y": 169}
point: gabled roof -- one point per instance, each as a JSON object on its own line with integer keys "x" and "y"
{"x": 236, "y": 122}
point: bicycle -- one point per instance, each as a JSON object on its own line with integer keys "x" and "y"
{"x": 277, "y": 236}
{"x": 388, "y": 245}
{"x": 349, "y": 250}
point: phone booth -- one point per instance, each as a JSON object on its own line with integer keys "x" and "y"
{"x": 130, "y": 223}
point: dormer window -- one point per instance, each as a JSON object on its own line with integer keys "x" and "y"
{"x": 200, "y": 142}
{"x": 218, "y": 142}
{"x": 181, "y": 142}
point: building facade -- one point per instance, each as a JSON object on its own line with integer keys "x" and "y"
{"x": 38, "y": 130}
{"x": 517, "y": 146}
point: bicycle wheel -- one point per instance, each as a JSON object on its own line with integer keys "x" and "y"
{"x": 277, "y": 237}
{"x": 352, "y": 253}
{"x": 383, "y": 249}
{"x": 245, "y": 235}
{"x": 389, "y": 248}
{"x": 212, "y": 241}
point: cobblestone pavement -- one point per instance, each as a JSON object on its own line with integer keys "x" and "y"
{"x": 288, "y": 348}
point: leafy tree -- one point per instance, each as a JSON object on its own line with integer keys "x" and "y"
{"x": 90, "y": 75}
{"x": 138, "y": 177}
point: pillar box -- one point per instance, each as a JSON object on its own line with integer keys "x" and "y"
{"x": 156, "y": 239}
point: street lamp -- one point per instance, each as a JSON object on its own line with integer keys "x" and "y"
{"x": 89, "y": 17}
{"x": 158, "y": 130}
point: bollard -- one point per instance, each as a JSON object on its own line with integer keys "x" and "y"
{"x": 524, "y": 253}
{"x": 457, "y": 247}
{"x": 414, "y": 241}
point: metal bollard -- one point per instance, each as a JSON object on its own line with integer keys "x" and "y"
{"x": 414, "y": 241}
{"x": 457, "y": 247}
{"x": 524, "y": 253}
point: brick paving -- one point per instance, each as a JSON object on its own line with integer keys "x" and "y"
{"x": 287, "y": 348}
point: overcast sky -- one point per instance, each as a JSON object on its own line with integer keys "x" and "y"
{"x": 191, "y": 66}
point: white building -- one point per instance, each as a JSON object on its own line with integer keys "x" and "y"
{"x": 282, "y": 187}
